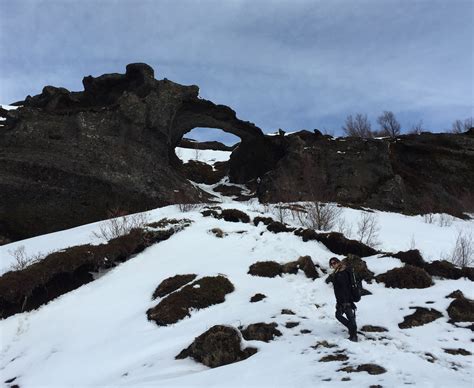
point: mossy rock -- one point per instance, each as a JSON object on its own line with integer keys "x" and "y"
{"x": 220, "y": 345}
{"x": 171, "y": 284}
{"x": 200, "y": 294}
{"x": 461, "y": 310}
{"x": 420, "y": 317}
{"x": 411, "y": 257}
{"x": 408, "y": 276}
{"x": 261, "y": 332}
{"x": 268, "y": 269}
{"x": 234, "y": 215}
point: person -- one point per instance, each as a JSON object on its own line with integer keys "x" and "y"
{"x": 341, "y": 280}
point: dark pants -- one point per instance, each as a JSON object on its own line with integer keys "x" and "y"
{"x": 349, "y": 310}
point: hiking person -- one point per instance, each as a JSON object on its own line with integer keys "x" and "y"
{"x": 341, "y": 278}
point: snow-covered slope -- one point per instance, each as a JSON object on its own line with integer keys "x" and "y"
{"x": 99, "y": 335}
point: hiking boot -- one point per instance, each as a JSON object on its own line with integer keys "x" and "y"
{"x": 353, "y": 338}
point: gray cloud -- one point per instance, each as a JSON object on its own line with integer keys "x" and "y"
{"x": 288, "y": 64}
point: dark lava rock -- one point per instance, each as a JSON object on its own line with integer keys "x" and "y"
{"x": 455, "y": 294}
{"x": 411, "y": 257}
{"x": 220, "y": 345}
{"x": 287, "y": 312}
{"x": 278, "y": 227}
{"x": 371, "y": 369}
{"x": 268, "y": 269}
{"x": 412, "y": 173}
{"x": 66, "y": 270}
{"x": 205, "y": 145}
{"x": 257, "y": 298}
{"x": 264, "y": 220}
{"x": 261, "y": 332}
{"x": 201, "y": 172}
{"x": 334, "y": 357}
{"x": 200, "y": 294}
{"x": 171, "y": 284}
{"x": 459, "y": 351}
{"x": 219, "y": 233}
{"x": 324, "y": 344}
{"x": 373, "y": 329}
{"x": 444, "y": 269}
{"x": 234, "y": 215}
{"x": 420, "y": 317}
{"x": 108, "y": 147}
{"x": 290, "y": 325}
{"x": 303, "y": 263}
{"x": 461, "y": 310}
{"x": 405, "y": 277}
{"x": 359, "y": 267}
{"x": 337, "y": 243}
{"x": 307, "y": 266}
{"x": 228, "y": 190}
{"x": 305, "y": 331}
{"x": 210, "y": 213}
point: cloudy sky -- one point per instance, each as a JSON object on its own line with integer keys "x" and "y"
{"x": 281, "y": 64}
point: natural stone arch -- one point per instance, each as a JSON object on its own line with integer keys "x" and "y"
{"x": 198, "y": 113}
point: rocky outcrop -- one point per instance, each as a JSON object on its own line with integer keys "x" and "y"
{"x": 220, "y": 345}
{"x": 69, "y": 158}
{"x": 412, "y": 173}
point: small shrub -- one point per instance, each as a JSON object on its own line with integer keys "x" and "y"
{"x": 463, "y": 250}
{"x": 22, "y": 259}
{"x": 120, "y": 225}
{"x": 368, "y": 229}
{"x": 319, "y": 216}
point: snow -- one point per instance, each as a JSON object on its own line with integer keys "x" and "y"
{"x": 206, "y": 156}
{"x": 99, "y": 335}
{"x": 9, "y": 107}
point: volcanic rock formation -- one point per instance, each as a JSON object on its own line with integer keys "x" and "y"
{"x": 69, "y": 158}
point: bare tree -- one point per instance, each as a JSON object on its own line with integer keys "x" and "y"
{"x": 417, "y": 128}
{"x": 389, "y": 126}
{"x": 358, "y": 126}
{"x": 368, "y": 229}
{"x": 460, "y": 127}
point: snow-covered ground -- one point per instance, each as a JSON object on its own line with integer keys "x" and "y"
{"x": 99, "y": 335}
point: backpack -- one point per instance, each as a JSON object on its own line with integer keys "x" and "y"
{"x": 356, "y": 286}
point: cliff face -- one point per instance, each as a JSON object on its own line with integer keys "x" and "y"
{"x": 69, "y": 158}
{"x": 412, "y": 173}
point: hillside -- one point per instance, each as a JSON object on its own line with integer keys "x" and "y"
{"x": 104, "y": 334}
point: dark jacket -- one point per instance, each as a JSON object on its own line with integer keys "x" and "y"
{"x": 341, "y": 281}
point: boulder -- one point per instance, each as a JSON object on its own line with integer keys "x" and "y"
{"x": 234, "y": 215}
{"x": 257, "y": 298}
{"x": 268, "y": 269}
{"x": 420, "y": 317}
{"x": 261, "y": 332}
{"x": 171, "y": 284}
{"x": 411, "y": 257}
{"x": 220, "y": 345}
{"x": 405, "y": 277}
{"x": 200, "y": 294}
{"x": 461, "y": 309}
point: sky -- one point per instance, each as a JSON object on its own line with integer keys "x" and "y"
{"x": 279, "y": 64}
